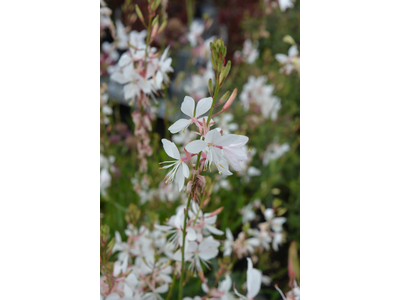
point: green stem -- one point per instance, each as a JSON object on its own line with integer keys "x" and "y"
{"x": 189, "y": 9}
{"x": 188, "y": 203}
{"x": 184, "y": 236}
{"x": 214, "y": 99}
{"x": 147, "y": 42}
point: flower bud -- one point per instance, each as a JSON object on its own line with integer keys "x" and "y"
{"x": 230, "y": 100}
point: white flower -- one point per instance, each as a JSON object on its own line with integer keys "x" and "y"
{"x": 255, "y": 91}
{"x": 284, "y": 4}
{"x": 175, "y": 226}
{"x": 180, "y": 170}
{"x": 274, "y": 151}
{"x": 291, "y": 61}
{"x": 195, "y": 31}
{"x": 221, "y": 150}
{"x": 134, "y": 83}
{"x": 193, "y": 111}
{"x": 247, "y": 213}
{"x": 253, "y": 282}
{"x": 250, "y": 52}
{"x": 228, "y": 242}
{"x": 196, "y": 252}
{"x": 276, "y": 226}
{"x": 122, "y": 37}
{"x": 223, "y": 122}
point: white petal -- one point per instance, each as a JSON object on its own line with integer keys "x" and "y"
{"x": 196, "y": 146}
{"x": 187, "y": 106}
{"x": 185, "y": 170}
{"x": 208, "y": 253}
{"x": 253, "y": 280}
{"x": 179, "y": 178}
{"x": 162, "y": 289}
{"x": 124, "y": 60}
{"x": 229, "y": 234}
{"x": 293, "y": 51}
{"x": 118, "y": 77}
{"x": 171, "y": 149}
{"x": 190, "y": 234}
{"x": 228, "y": 139}
{"x": 212, "y": 136}
{"x": 203, "y": 106}
{"x": 179, "y": 125}
{"x": 129, "y": 91}
{"x": 214, "y": 230}
{"x": 282, "y": 58}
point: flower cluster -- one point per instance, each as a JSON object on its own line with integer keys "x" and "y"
{"x": 257, "y": 95}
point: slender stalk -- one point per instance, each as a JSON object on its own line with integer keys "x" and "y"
{"x": 147, "y": 41}
{"x": 188, "y": 204}
{"x": 189, "y": 9}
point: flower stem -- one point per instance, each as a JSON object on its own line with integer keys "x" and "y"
{"x": 184, "y": 236}
{"x": 188, "y": 204}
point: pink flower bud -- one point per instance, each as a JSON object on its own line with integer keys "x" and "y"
{"x": 230, "y": 100}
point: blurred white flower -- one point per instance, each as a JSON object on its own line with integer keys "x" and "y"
{"x": 195, "y": 32}
{"x": 291, "y": 61}
{"x": 284, "y": 4}
{"x": 274, "y": 151}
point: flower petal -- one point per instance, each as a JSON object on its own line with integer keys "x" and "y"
{"x": 196, "y": 146}
{"x": 185, "y": 170}
{"x": 253, "y": 280}
{"x": 282, "y": 58}
{"x": 179, "y": 178}
{"x": 171, "y": 149}
{"x": 203, "y": 106}
{"x": 179, "y": 125}
{"x": 118, "y": 77}
{"x": 187, "y": 106}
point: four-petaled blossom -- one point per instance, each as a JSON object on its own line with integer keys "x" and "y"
{"x": 221, "y": 150}
{"x": 253, "y": 282}
{"x": 193, "y": 111}
{"x": 180, "y": 170}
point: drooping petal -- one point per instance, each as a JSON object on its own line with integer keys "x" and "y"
{"x": 179, "y": 178}
{"x": 253, "y": 280}
{"x": 118, "y": 77}
{"x": 282, "y": 58}
{"x": 196, "y": 146}
{"x": 162, "y": 289}
{"x": 203, "y": 106}
{"x": 214, "y": 230}
{"x": 185, "y": 170}
{"x": 179, "y": 125}
{"x": 187, "y": 106}
{"x": 171, "y": 149}
{"x": 129, "y": 91}
{"x": 293, "y": 51}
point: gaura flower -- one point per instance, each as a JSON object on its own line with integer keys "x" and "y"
{"x": 180, "y": 170}
{"x": 221, "y": 150}
{"x": 189, "y": 108}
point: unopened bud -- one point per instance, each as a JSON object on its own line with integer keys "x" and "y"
{"x": 230, "y": 100}
{"x": 210, "y": 87}
{"x": 223, "y": 99}
{"x": 139, "y": 13}
{"x": 288, "y": 39}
